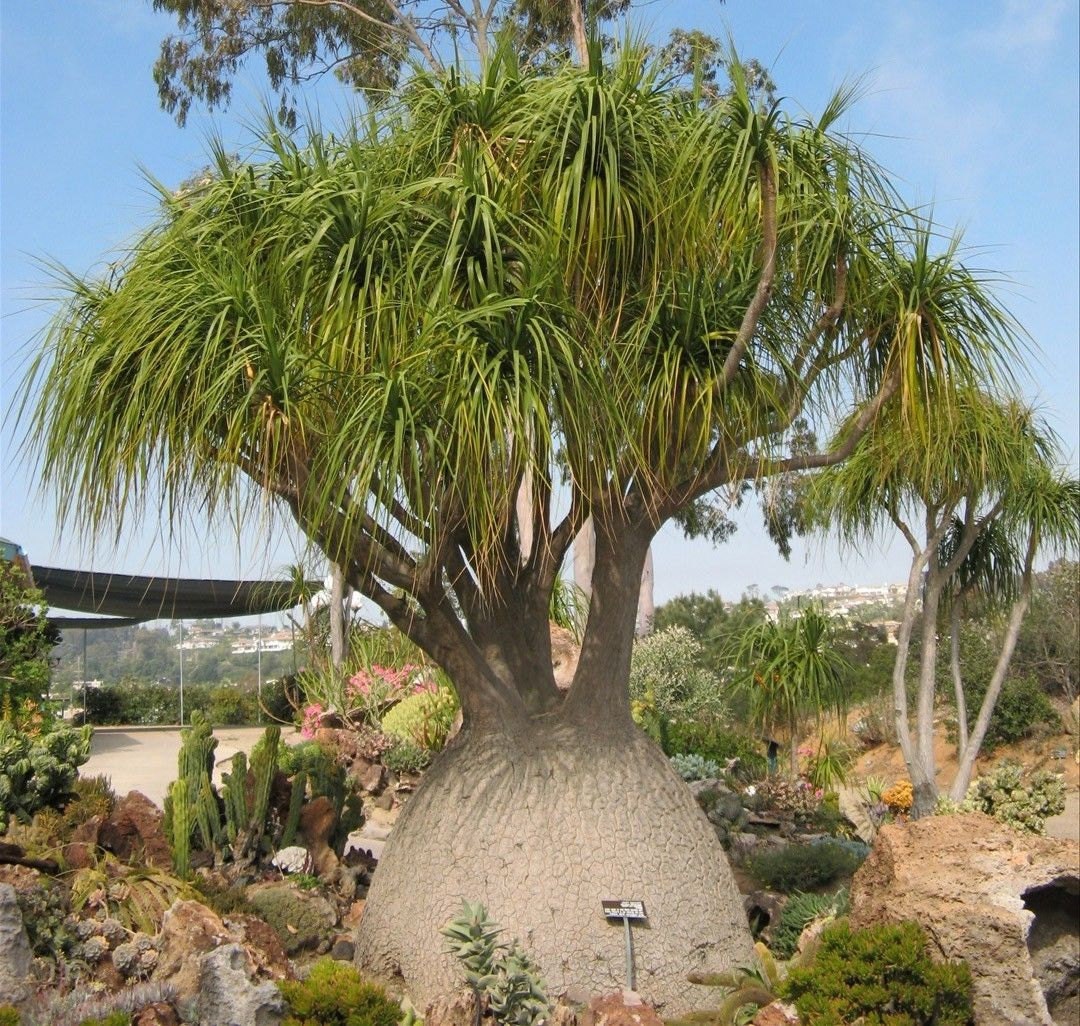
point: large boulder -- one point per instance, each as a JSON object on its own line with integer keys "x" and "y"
{"x": 134, "y": 831}
{"x": 15, "y": 954}
{"x": 989, "y": 895}
{"x": 190, "y": 930}
{"x": 229, "y": 994}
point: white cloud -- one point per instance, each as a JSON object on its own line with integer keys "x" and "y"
{"x": 1021, "y": 27}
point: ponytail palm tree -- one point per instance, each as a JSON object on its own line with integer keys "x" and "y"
{"x": 971, "y": 487}
{"x": 584, "y": 279}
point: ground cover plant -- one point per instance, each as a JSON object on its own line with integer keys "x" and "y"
{"x": 588, "y": 274}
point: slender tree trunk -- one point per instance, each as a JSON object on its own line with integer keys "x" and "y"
{"x": 338, "y": 639}
{"x": 585, "y": 558}
{"x": 1001, "y": 668}
{"x": 903, "y": 649}
{"x": 577, "y": 22}
{"x": 646, "y": 610}
{"x": 958, "y": 680}
{"x": 925, "y": 787}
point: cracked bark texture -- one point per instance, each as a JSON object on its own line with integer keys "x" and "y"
{"x": 540, "y": 828}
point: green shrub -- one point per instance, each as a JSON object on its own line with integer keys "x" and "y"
{"x": 424, "y": 719}
{"x": 695, "y": 767}
{"x": 406, "y": 757}
{"x": 229, "y": 706}
{"x": 804, "y": 867}
{"x": 26, "y": 639}
{"x": 799, "y": 911}
{"x": 38, "y": 771}
{"x": 334, "y": 994}
{"x": 9, "y": 1016}
{"x": 881, "y": 976}
{"x": 1022, "y": 710}
{"x": 1012, "y": 798}
{"x": 711, "y": 741}
{"x": 668, "y": 677}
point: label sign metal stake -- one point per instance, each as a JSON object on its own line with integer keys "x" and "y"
{"x": 626, "y": 909}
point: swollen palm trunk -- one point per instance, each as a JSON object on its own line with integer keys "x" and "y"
{"x": 541, "y": 829}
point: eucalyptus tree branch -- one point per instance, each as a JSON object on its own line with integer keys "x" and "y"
{"x": 404, "y": 25}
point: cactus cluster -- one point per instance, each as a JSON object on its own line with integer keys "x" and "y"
{"x": 231, "y": 825}
{"x": 258, "y": 807}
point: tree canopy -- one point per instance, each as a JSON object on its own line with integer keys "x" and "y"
{"x": 583, "y": 273}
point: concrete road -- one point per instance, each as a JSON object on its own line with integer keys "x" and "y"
{"x": 144, "y": 758}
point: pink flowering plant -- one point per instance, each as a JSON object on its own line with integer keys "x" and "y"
{"x": 371, "y": 691}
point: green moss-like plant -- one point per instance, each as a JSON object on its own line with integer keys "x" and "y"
{"x": 112, "y": 1019}
{"x": 881, "y": 976}
{"x": 334, "y": 994}
{"x": 9, "y": 1016}
{"x": 300, "y": 919}
{"x": 424, "y": 719}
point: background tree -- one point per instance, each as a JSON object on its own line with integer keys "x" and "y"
{"x": 367, "y": 44}
{"x": 26, "y": 640}
{"x": 513, "y": 276}
{"x": 1047, "y": 647}
{"x": 944, "y": 484}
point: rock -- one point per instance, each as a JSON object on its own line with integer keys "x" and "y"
{"x": 453, "y": 1010}
{"x": 623, "y": 1008}
{"x": 763, "y": 910}
{"x": 134, "y": 832}
{"x": 979, "y": 888}
{"x": 302, "y": 920}
{"x": 228, "y": 996}
{"x": 373, "y": 778}
{"x": 15, "y": 954}
{"x": 263, "y": 945}
{"x": 188, "y": 930}
{"x": 343, "y": 950}
{"x": 776, "y": 1014}
{"x": 565, "y": 652}
{"x": 317, "y": 822}
{"x": 385, "y": 801}
{"x": 293, "y": 859}
{"x": 158, "y": 1014}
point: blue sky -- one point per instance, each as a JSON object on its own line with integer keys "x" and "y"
{"x": 973, "y": 106}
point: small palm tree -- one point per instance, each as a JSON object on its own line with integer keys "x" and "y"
{"x": 792, "y": 671}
